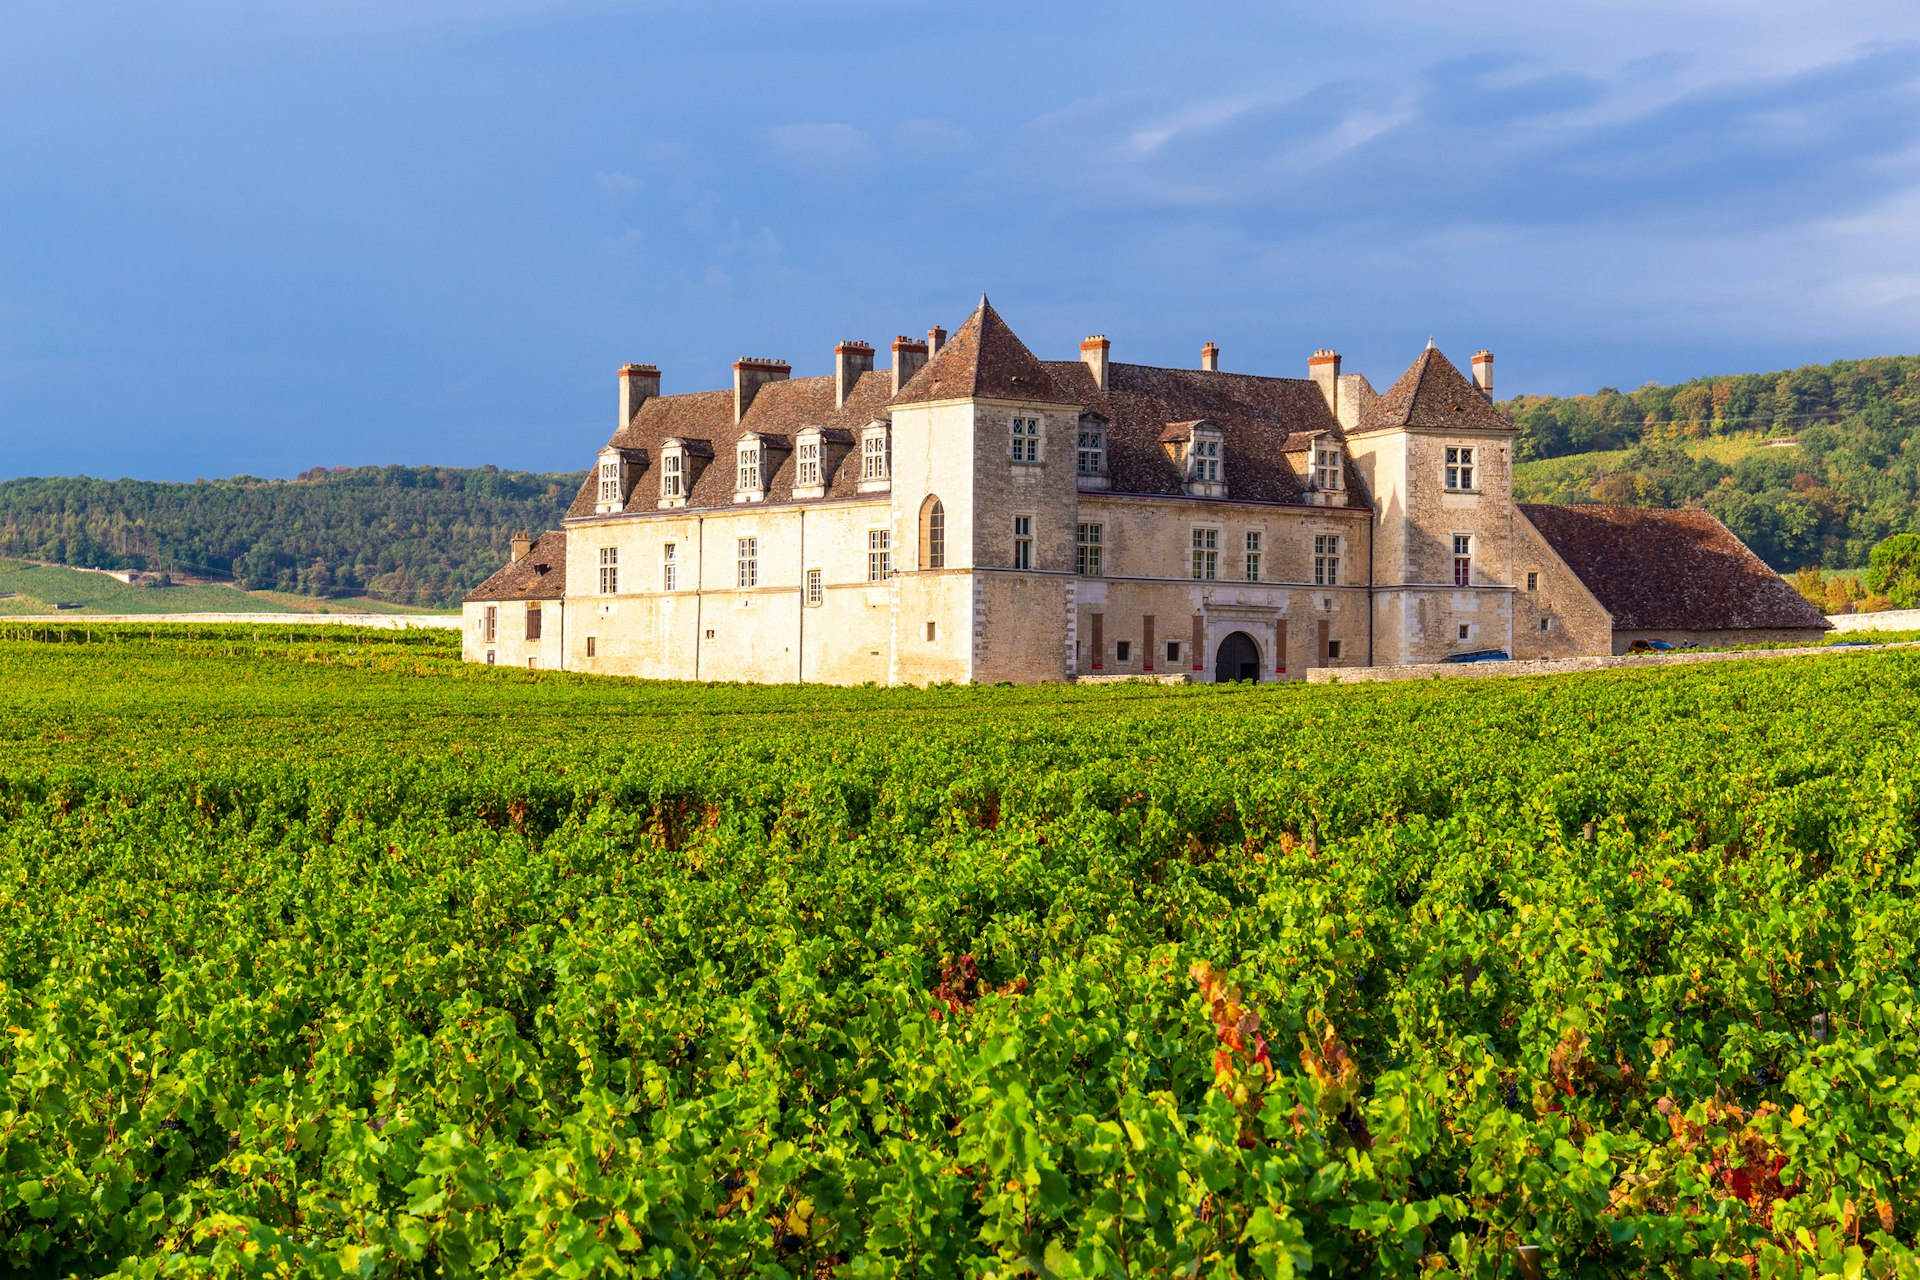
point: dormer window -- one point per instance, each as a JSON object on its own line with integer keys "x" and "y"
{"x": 876, "y": 457}
{"x": 673, "y": 475}
{"x": 1206, "y": 462}
{"x": 1326, "y": 468}
{"x": 611, "y": 482}
{"x": 1200, "y": 449}
{"x": 750, "y": 470}
{"x": 1090, "y": 451}
{"x": 809, "y": 462}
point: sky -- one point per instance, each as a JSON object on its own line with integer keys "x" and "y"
{"x": 253, "y": 236}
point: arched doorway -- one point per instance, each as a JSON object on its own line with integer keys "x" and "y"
{"x": 1239, "y": 658}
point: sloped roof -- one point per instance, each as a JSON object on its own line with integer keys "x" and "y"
{"x": 1679, "y": 570}
{"x": 1262, "y": 421}
{"x": 984, "y": 359}
{"x": 1432, "y": 393}
{"x": 541, "y": 574}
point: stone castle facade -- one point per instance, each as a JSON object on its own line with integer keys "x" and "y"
{"x": 975, "y": 514}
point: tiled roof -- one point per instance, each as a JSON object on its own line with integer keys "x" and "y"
{"x": 1263, "y": 420}
{"x": 1432, "y": 393}
{"x": 1683, "y": 570}
{"x": 983, "y": 360}
{"x": 541, "y": 574}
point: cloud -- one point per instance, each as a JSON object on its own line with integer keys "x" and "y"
{"x": 930, "y": 137}
{"x": 617, "y": 183}
{"x": 820, "y": 146}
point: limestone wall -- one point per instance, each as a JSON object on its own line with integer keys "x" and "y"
{"x": 1885, "y": 620}
{"x": 1557, "y": 617}
{"x": 508, "y": 645}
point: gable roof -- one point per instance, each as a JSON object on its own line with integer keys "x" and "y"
{"x": 1432, "y": 393}
{"x": 541, "y": 574}
{"x": 984, "y": 359}
{"x": 1680, "y": 570}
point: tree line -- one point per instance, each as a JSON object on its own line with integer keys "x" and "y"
{"x": 412, "y": 535}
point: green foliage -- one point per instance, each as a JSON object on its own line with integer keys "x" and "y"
{"x": 1894, "y": 570}
{"x": 412, "y": 535}
{"x": 324, "y": 954}
{"x": 1850, "y": 478}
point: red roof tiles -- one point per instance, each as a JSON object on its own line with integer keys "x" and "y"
{"x": 541, "y": 574}
{"x": 983, "y": 360}
{"x": 1432, "y": 393}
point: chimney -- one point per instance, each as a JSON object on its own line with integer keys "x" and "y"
{"x": 1094, "y": 352}
{"x": 1483, "y": 372}
{"x": 521, "y": 545}
{"x": 850, "y": 359}
{"x": 908, "y": 358}
{"x": 1210, "y": 358}
{"x": 750, "y": 373}
{"x": 638, "y": 384}
{"x": 1324, "y": 368}
{"x": 936, "y": 339}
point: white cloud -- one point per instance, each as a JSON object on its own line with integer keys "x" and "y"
{"x": 820, "y": 146}
{"x": 616, "y": 182}
{"x": 931, "y": 136}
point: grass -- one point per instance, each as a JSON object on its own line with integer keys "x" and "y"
{"x": 1543, "y": 474}
{"x": 36, "y": 589}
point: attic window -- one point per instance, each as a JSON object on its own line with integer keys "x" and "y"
{"x": 875, "y": 455}
{"x": 673, "y": 474}
{"x": 609, "y": 481}
{"x": 1206, "y": 461}
{"x": 749, "y": 483}
{"x": 809, "y": 470}
{"x": 1091, "y": 451}
{"x": 1326, "y": 468}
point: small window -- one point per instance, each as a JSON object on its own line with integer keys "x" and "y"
{"x": 874, "y": 456}
{"x": 746, "y": 572}
{"x": 1206, "y": 461}
{"x": 1462, "y": 559}
{"x": 749, "y": 480}
{"x": 1333, "y": 651}
{"x": 533, "y": 622}
{"x": 933, "y": 534}
{"x": 1023, "y": 542}
{"x": 709, "y": 633}
{"x": 491, "y": 626}
{"x": 489, "y": 657}
{"x": 1545, "y": 624}
{"x": 1026, "y": 439}
{"x": 1533, "y": 582}
{"x": 592, "y": 647}
{"x": 533, "y": 663}
{"x": 1460, "y": 467}
{"x": 1123, "y": 651}
{"x": 1465, "y": 631}
{"x": 1326, "y": 560}
{"x": 610, "y": 481}
{"x": 1091, "y": 454}
{"x": 879, "y": 555}
{"x": 1206, "y": 554}
{"x": 669, "y": 568}
{"x": 930, "y": 633}
{"x": 816, "y": 592}
{"x": 1326, "y": 468}
{"x": 1087, "y": 550}
{"x": 1253, "y": 557}
{"x": 673, "y": 470}
{"x": 609, "y": 571}
{"x": 810, "y": 463}
{"x": 1173, "y": 651}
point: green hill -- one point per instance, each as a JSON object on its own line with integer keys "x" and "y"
{"x": 418, "y": 536}
{"x": 1810, "y": 466}
{"x": 27, "y": 589}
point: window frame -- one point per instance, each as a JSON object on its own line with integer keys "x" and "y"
{"x": 1024, "y": 430}
{"x": 1254, "y": 552}
{"x": 1328, "y": 472}
{"x": 673, "y": 474}
{"x": 1462, "y": 559}
{"x": 809, "y": 463}
{"x": 609, "y": 571}
{"x": 1461, "y": 465}
{"x": 1090, "y": 452}
{"x": 876, "y": 456}
{"x": 490, "y": 624}
{"x": 879, "y": 555}
{"x": 1326, "y": 559}
{"x": 750, "y": 469}
{"x": 1023, "y": 542}
{"x": 816, "y": 589}
{"x": 933, "y": 533}
{"x": 1205, "y": 544}
{"x": 669, "y": 566}
{"x": 1089, "y": 543}
{"x": 535, "y": 623}
{"x": 746, "y": 562}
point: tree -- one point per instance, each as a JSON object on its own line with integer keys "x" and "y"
{"x": 1894, "y": 570}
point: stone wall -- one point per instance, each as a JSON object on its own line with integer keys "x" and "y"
{"x": 509, "y": 645}
{"x": 1557, "y": 617}
{"x": 382, "y": 621}
{"x": 1485, "y": 670}
{"x": 1885, "y": 620}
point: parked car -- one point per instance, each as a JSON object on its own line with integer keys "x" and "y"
{"x": 1649, "y": 646}
{"x": 1479, "y": 655}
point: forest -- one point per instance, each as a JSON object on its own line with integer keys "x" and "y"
{"x": 412, "y": 535}
{"x": 1810, "y": 467}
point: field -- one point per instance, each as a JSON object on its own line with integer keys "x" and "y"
{"x": 1539, "y": 475}
{"x": 38, "y": 588}
{"x": 325, "y": 955}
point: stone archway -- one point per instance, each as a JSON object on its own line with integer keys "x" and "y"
{"x": 1238, "y": 659}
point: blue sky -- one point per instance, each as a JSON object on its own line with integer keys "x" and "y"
{"x": 242, "y": 235}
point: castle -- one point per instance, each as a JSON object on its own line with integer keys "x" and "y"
{"x": 975, "y": 514}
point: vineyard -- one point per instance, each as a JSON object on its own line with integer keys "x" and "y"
{"x": 324, "y": 955}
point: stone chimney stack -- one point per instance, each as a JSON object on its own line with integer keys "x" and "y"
{"x": 1094, "y": 351}
{"x": 1324, "y": 369}
{"x": 1483, "y": 372}
{"x": 850, "y": 359}
{"x": 936, "y": 339}
{"x": 521, "y": 545}
{"x": 909, "y": 357}
{"x": 638, "y": 384}
{"x": 750, "y": 373}
{"x": 1210, "y": 358}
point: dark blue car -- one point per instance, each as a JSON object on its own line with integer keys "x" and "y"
{"x": 1479, "y": 655}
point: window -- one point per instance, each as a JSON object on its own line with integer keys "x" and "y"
{"x": 1023, "y": 542}
{"x": 1544, "y": 623}
{"x": 810, "y": 463}
{"x": 1087, "y": 550}
{"x": 1206, "y": 461}
{"x": 489, "y": 657}
{"x": 1173, "y": 651}
{"x": 1462, "y": 559}
{"x": 873, "y": 456}
{"x": 673, "y": 471}
{"x": 1326, "y": 559}
{"x": 1206, "y": 554}
{"x": 816, "y": 592}
{"x": 592, "y": 646}
{"x": 533, "y": 622}
{"x": 1326, "y": 468}
{"x": 490, "y": 625}
{"x": 1091, "y": 454}
{"x": 746, "y": 568}
{"x": 1465, "y": 631}
{"x": 1026, "y": 439}
{"x": 533, "y": 663}
{"x": 1123, "y": 651}
{"x": 1533, "y": 582}
{"x": 879, "y": 555}
{"x": 1459, "y": 467}
{"x": 1253, "y": 557}
{"x": 933, "y": 534}
{"x": 669, "y": 568}
{"x": 610, "y": 481}
{"x": 1333, "y": 651}
{"x": 749, "y": 481}
{"x": 930, "y": 633}
{"x": 609, "y": 571}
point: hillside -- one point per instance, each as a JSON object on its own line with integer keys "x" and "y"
{"x": 419, "y": 536}
{"x": 27, "y": 589}
{"x": 1810, "y": 466}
